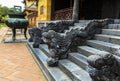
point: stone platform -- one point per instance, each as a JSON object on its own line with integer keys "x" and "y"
{"x": 19, "y": 37}
{"x": 14, "y": 41}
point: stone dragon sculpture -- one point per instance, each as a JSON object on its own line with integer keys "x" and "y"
{"x": 104, "y": 67}
{"x": 36, "y": 33}
{"x": 60, "y": 46}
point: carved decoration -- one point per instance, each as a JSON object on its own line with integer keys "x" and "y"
{"x": 63, "y": 14}
{"x": 60, "y": 46}
{"x": 104, "y": 68}
{"x": 35, "y": 36}
{"x": 36, "y": 33}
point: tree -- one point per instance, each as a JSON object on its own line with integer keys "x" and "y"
{"x": 4, "y": 10}
{"x": 75, "y": 10}
{"x": 0, "y": 18}
{"x": 11, "y": 10}
{"x": 3, "y": 13}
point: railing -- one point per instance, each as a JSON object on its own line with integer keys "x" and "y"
{"x": 63, "y": 14}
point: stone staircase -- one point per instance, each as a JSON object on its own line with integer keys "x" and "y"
{"x": 75, "y": 67}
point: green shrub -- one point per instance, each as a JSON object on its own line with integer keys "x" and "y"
{"x": 3, "y": 25}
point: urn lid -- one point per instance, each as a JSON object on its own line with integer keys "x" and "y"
{"x": 17, "y": 13}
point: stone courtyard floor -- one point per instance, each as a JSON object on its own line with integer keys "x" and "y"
{"x": 16, "y": 62}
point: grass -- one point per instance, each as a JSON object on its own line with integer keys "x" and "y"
{"x": 3, "y": 25}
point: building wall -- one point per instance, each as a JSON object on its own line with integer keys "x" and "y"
{"x": 44, "y": 10}
{"x": 89, "y": 9}
{"x": 29, "y": 13}
{"x": 99, "y": 9}
{"x": 111, "y": 9}
{"x": 32, "y": 21}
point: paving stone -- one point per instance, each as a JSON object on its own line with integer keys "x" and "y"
{"x": 4, "y": 79}
{"x": 16, "y": 60}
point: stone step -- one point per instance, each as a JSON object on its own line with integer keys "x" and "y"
{"x": 84, "y": 21}
{"x": 81, "y": 24}
{"x": 92, "y": 51}
{"x": 79, "y": 59}
{"x": 116, "y": 21}
{"x": 111, "y": 32}
{"x": 62, "y": 34}
{"x": 44, "y": 48}
{"x": 51, "y": 73}
{"x": 110, "y": 47}
{"x": 87, "y": 51}
{"x": 114, "y": 26}
{"x": 74, "y": 71}
{"x": 108, "y": 38}
{"x": 77, "y": 27}
{"x": 73, "y": 28}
